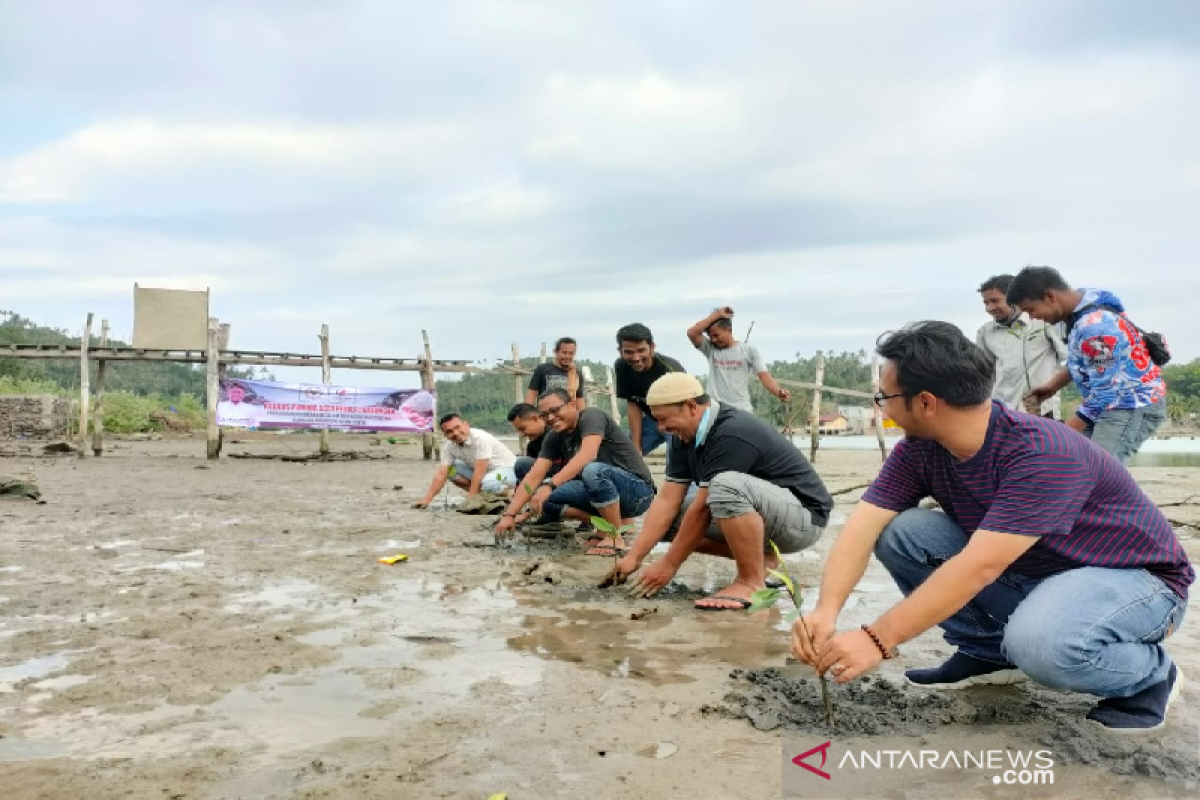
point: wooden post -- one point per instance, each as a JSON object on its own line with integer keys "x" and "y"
{"x": 325, "y": 379}
{"x": 213, "y": 359}
{"x": 519, "y": 391}
{"x": 543, "y": 355}
{"x": 612, "y": 394}
{"x": 222, "y": 346}
{"x": 98, "y": 406}
{"x": 589, "y": 386}
{"x": 878, "y": 411}
{"x": 428, "y": 442}
{"x": 815, "y": 423}
{"x": 85, "y": 378}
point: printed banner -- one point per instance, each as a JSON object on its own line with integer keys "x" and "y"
{"x": 266, "y": 404}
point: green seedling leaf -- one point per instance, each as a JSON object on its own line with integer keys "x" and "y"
{"x": 603, "y": 525}
{"x": 787, "y": 579}
{"x": 624, "y": 529}
{"x": 791, "y": 615}
{"x": 761, "y": 599}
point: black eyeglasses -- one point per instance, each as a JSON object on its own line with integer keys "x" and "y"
{"x": 880, "y": 398}
{"x": 551, "y": 412}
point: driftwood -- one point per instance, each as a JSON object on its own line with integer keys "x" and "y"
{"x": 849, "y": 489}
{"x": 352, "y": 455}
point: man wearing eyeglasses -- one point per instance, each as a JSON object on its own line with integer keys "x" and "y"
{"x": 604, "y": 474}
{"x": 1048, "y": 562}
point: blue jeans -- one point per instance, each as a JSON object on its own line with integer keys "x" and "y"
{"x": 1089, "y": 629}
{"x": 651, "y": 436}
{"x": 598, "y": 486}
{"x": 1122, "y": 431}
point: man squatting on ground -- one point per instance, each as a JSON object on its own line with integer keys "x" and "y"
{"x": 1028, "y": 353}
{"x": 525, "y": 421}
{"x": 604, "y": 475}
{"x": 1048, "y": 559}
{"x": 730, "y": 362}
{"x": 479, "y": 460}
{"x": 754, "y": 488}
{"x": 1124, "y": 395}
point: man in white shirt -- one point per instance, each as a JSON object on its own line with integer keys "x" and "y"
{"x": 1028, "y": 353}
{"x": 479, "y": 461}
{"x": 730, "y": 362}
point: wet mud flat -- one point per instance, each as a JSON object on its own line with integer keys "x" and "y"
{"x": 1022, "y": 715}
{"x": 170, "y": 627}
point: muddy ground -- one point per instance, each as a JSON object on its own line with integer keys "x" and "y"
{"x": 174, "y": 628}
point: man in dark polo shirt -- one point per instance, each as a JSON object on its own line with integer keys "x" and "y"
{"x": 755, "y": 488}
{"x": 639, "y": 366}
{"x": 1049, "y": 561}
{"x": 603, "y": 474}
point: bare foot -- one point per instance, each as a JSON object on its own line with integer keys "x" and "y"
{"x": 605, "y": 547}
{"x": 734, "y": 597}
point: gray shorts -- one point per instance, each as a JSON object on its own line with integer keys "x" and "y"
{"x": 731, "y": 494}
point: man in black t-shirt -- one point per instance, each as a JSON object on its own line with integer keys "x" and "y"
{"x": 638, "y": 367}
{"x": 561, "y": 373}
{"x": 755, "y": 489}
{"x": 604, "y": 474}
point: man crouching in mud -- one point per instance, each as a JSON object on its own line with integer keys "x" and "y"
{"x": 1049, "y": 561}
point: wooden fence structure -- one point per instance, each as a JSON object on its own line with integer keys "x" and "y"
{"x": 818, "y": 388}
{"x": 216, "y": 358}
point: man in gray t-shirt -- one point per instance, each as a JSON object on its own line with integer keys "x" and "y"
{"x": 730, "y": 362}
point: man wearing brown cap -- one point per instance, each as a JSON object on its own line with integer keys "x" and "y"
{"x": 755, "y": 488}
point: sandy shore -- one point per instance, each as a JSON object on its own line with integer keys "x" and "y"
{"x": 175, "y": 628}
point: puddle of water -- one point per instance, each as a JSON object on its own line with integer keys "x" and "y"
{"x": 12, "y": 569}
{"x": 659, "y": 750}
{"x": 174, "y": 565}
{"x": 615, "y": 645}
{"x": 425, "y": 650}
{"x": 33, "y": 668}
{"x": 391, "y": 544}
{"x": 120, "y": 543}
{"x": 62, "y": 682}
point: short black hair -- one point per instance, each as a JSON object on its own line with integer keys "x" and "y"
{"x": 634, "y": 332}
{"x": 522, "y": 411}
{"x": 1032, "y": 283}
{"x": 936, "y": 357}
{"x": 447, "y": 417}
{"x": 559, "y": 393}
{"x": 723, "y": 322}
{"x": 564, "y": 340}
{"x": 998, "y": 282}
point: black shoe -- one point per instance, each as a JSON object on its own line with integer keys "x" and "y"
{"x": 585, "y": 527}
{"x": 1143, "y": 712}
{"x": 961, "y": 670}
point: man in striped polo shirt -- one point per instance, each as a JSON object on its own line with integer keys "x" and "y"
{"x": 1048, "y": 560}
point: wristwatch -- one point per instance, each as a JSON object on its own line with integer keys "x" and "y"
{"x": 549, "y": 482}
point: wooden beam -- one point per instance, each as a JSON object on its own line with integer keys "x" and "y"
{"x": 222, "y": 346}
{"x": 878, "y": 417}
{"x": 815, "y": 422}
{"x": 829, "y": 389}
{"x": 323, "y": 448}
{"x": 98, "y": 406}
{"x": 85, "y": 393}
{"x": 214, "y": 388}
{"x": 428, "y": 441}
{"x": 612, "y": 393}
{"x": 518, "y": 391}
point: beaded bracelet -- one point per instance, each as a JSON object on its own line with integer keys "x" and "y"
{"x": 879, "y": 643}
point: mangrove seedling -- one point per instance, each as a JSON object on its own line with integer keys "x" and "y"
{"x": 606, "y": 527}
{"x": 765, "y": 598}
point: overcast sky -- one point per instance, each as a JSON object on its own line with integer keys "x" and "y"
{"x": 523, "y": 170}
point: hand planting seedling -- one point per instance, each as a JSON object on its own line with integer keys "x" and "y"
{"x": 613, "y": 578}
{"x": 765, "y": 598}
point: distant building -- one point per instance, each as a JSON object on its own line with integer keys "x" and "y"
{"x": 859, "y": 419}
{"x": 833, "y": 425}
